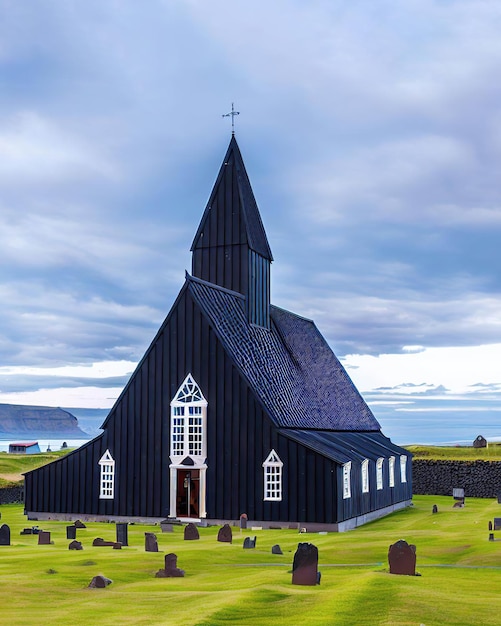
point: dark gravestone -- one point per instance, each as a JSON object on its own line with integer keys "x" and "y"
{"x": 4, "y": 535}
{"x": 434, "y": 509}
{"x": 490, "y": 525}
{"x": 27, "y": 531}
{"x": 79, "y": 524}
{"x": 276, "y": 549}
{"x": 243, "y": 520}
{"x": 123, "y": 533}
{"x": 458, "y": 505}
{"x": 491, "y": 536}
{"x": 171, "y": 569}
{"x": 75, "y": 545}
{"x": 305, "y": 565}
{"x": 402, "y": 558}
{"x": 225, "y": 534}
{"x": 150, "y": 542}
{"x": 497, "y": 523}
{"x": 100, "y": 543}
{"x": 249, "y": 543}
{"x": 71, "y": 532}
{"x": 100, "y": 582}
{"x": 44, "y": 538}
{"x": 191, "y": 532}
{"x": 166, "y": 526}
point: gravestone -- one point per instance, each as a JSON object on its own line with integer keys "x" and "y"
{"x": 71, "y": 532}
{"x": 100, "y": 582}
{"x": 434, "y": 509}
{"x": 491, "y": 536}
{"x": 166, "y": 526}
{"x": 490, "y": 525}
{"x": 171, "y": 569}
{"x": 122, "y": 533}
{"x": 191, "y": 532}
{"x": 402, "y": 558}
{"x": 243, "y": 521}
{"x": 75, "y": 545}
{"x": 249, "y": 543}
{"x": 497, "y": 523}
{"x": 100, "y": 542}
{"x": 276, "y": 549}
{"x": 458, "y": 494}
{"x": 150, "y": 542}
{"x": 4, "y": 535}
{"x": 44, "y": 538}
{"x": 305, "y": 565}
{"x": 458, "y": 505}
{"x": 26, "y": 531}
{"x": 79, "y": 524}
{"x": 225, "y": 534}
{"x": 480, "y": 442}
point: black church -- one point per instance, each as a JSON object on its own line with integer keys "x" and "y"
{"x": 238, "y": 406}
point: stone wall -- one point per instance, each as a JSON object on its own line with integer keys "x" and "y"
{"x": 479, "y": 479}
{"x": 11, "y": 495}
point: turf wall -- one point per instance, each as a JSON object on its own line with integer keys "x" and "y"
{"x": 11, "y": 495}
{"x": 479, "y": 479}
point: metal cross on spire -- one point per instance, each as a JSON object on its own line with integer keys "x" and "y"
{"x": 232, "y": 115}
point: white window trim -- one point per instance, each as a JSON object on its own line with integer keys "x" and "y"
{"x": 188, "y": 417}
{"x": 403, "y": 468}
{"x": 347, "y": 480}
{"x": 379, "y": 473}
{"x": 391, "y": 471}
{"x": 365, "y": 476}
{"x": 273, "y": 477}
{"x": 107, "y": 477}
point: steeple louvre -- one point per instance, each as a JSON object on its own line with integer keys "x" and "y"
{"x": 230, "y": 247}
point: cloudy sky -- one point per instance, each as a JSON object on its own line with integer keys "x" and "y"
{"x": 371, "y": 132}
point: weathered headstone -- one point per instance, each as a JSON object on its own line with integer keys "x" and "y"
{"x": 71, "y": 532}
{"x": 490, "y": 525}
{"x": 225, "y": 534}
{"x": 191, "y": 532}
{"x": 4, "y": 535}
{"x": 276, "y": 549}
{"x": 75, "y": 545}
{"x": 458, "y": 505}
{"x": 458, "y": 494}
{"x": 100, "y": 542}
{"x": 100, "y": 582}
{"x": 166, "y": 526}
{"x": 434, "y": 509}
{"x": 305, "y": 565}
{"x": 44, "y": 538}
{"x": 150, "y": 542}
{"x": 26, "y": 531}
{"x": 497, "y": 523}
{"x": 402, "y": 558}
{"x": 171, "y": 569}
{"x": 243, "y": 521}
{"x": 249, "y": 543}
{"x": 491, "y": 536}
{"x": 122, "y": 533}
{"x": 79, "y": 524}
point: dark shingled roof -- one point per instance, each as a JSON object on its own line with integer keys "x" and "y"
{"x": 291, "y": 368}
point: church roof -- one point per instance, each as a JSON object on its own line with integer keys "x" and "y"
{"x": 290, "y": 367}
{"x": 232, "y": 215}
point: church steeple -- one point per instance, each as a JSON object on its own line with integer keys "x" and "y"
{"x": 230, "y": 247}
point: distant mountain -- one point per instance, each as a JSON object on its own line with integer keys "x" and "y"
{"x": 38, "y": 421}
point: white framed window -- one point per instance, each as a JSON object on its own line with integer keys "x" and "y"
{"x": 107, "y": 477}
{"x": 379, "y": 473}
{"x": 391, "y": 471}
{"x": 347, "y": 480}
{"x": 188, "y": 418}
{"x": 403, "y": 468}
{"x": 273, "y": 477}
{"x": 365, "y": 476}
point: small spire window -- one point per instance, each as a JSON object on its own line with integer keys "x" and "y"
{"x": 273, "y": 477}
{"x": 107, "y": 477}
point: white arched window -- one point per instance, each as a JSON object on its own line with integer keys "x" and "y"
{"x": 107, "y": 477}
{"x": 188, "y": 420}
{"x": 365, "y": 476}
{"x": 272, "y": 477}
{"x": 347, "y": 480}
{"x": 403, "y": 468}
{"x": 391, "y": 471}
{"x": 379, "y": 473}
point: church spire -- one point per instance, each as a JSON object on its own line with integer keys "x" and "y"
{"x": 230, "y": 247}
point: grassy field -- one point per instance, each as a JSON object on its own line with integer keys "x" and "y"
{"x": 226, "y": 585}
{"x": 12, "y": 466}
{"x": 452, "y": 453}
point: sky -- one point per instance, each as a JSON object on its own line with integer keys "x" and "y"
{"x": 371, "y": 133}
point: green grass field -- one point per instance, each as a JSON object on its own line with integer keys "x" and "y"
{"x": 226, "y": 585}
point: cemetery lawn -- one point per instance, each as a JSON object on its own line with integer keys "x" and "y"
{"x": 227, "y": 585}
